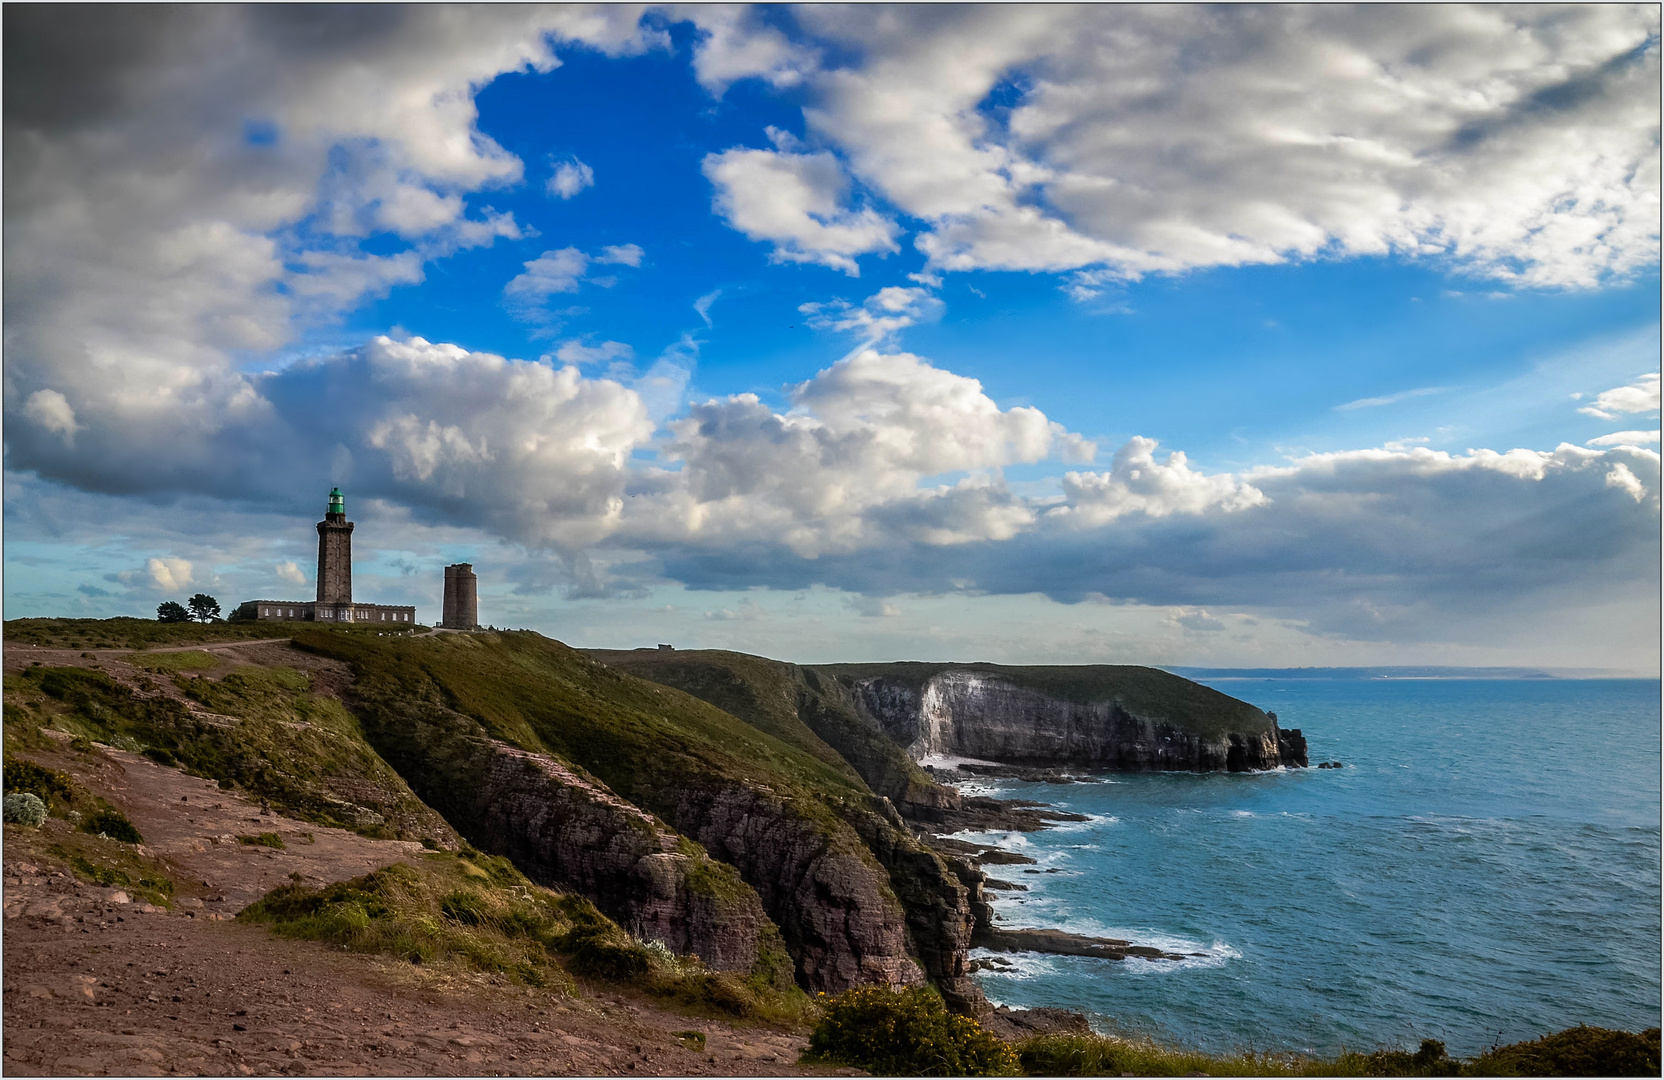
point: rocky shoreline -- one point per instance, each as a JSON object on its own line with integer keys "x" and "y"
{"x": 982, "y": 814}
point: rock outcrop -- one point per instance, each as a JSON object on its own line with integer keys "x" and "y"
{"x": 841, "y": 921}
{"x": 568, "y": 831}
{"x": 982, "y": 714}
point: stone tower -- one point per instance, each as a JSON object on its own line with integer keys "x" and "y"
{"x": 335, "y": 553}
{"x": 462, "y": 598}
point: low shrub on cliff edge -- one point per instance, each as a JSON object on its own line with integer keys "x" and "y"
{"x": 1578, "y": 1051}
{"x": 905, "y": 1033}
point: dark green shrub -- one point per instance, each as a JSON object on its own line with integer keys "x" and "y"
{"x": 265, "y": 839}
{"x": 905, "y": 1033}
{"x": 1578, "y": 1051}
{"x": 603, "y": 955}
{"x": 113, "y": 824}
{"x": 1429, "y": 1059}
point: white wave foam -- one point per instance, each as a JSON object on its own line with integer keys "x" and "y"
{"x": 1024, "y": 966}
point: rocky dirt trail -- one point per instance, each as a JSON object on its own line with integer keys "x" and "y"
{"x": 98, "y": 982}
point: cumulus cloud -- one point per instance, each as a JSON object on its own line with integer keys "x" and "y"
{"x": 796, "y": 202}
{"x": 1121, "y": 140}
{"x": 291, "y": 573}
{"x": 1137, "y": 483}
{"x": 169, "y": 575}
{"x": 738, "y": 43}
{"x": 186, "y": 186}
{"x": 570, "y": 177}
{"x": 844, "y": 467}
{"x": 1639, "y": 396}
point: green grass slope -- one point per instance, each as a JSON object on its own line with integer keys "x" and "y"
{"x": 638, "y": 738}
{"x": 794, "y": 704}
{"x": 264, "y": 731}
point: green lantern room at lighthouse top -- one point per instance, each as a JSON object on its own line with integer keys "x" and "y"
{"x": 337, "y": 503}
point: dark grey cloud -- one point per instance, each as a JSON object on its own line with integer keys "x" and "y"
{"x": 1374, "y": 545}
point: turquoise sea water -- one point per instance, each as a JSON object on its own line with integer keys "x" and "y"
{"x": 1485, "y": 868}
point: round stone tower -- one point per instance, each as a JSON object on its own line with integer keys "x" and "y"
{"x": 335, "y": 553}
{"x": 462, "y": 598}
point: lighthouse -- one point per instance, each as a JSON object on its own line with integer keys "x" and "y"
{"x": 334, "y": 603}
{"x": 335, "y": 554}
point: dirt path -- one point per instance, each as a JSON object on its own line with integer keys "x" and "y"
{"x": 100, "y": 984}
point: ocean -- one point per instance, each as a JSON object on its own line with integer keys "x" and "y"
{"x": 1485, "y": 869}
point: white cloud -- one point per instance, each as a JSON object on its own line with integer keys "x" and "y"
{"x": 622, "y": 254}
{"x": 527, "y": 294}
{"x": 1515, "y": 143}
{"x": 886, "y": 312}
{"x": 1620, "y": 477}
{"x": 169, "y": 575}
{"x": 52, "y": 411}
{"x": 532, "y": 452}
{"x": 569, "y": 178}
{"x": 738, "y": 44}
{"x": 291, "y": 573}
{"x": 796, "y": 201}
{"x": 843, "y": 468}
{"x": 1197, "y": 620}
{"x": 551, "y": 272}
{"x": 1638, "y": 397}
{"x": 703, "y": 304}
{"x": 1138, "y": 484}
{"x": 1625, "y": 438}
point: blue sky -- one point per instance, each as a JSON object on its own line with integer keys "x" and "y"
{"x": 852, "y": 333}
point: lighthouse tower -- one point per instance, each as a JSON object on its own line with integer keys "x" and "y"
{"x": 334, "y": 603}
{"x": 335, "y": 557}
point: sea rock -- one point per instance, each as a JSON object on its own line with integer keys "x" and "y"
{"x": 1062, "y": 943}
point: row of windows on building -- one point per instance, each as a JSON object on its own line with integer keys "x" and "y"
{"x": 357, "y": 615}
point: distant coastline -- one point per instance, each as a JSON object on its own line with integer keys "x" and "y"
{"x": 1406, "y": 672}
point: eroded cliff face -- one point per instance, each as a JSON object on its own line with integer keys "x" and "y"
{"x": 971, "y": 714}
{"x": 568, "y": 831}
{"x": 940, "y": 903}
{"x": 841, "y": 921}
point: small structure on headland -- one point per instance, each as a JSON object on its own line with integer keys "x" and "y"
{"x": 334, "y": 602}
{"x": 462, "y": 598}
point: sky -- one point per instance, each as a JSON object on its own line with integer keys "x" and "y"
{"x": 1227, "y": 336}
